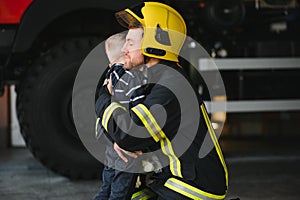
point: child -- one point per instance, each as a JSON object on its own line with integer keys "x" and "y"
{"x": 117, "y": 183}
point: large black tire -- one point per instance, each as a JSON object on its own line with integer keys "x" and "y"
{"x": 45, "y": 110}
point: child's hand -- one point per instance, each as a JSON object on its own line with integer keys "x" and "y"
{"x": 105, "y": 82}
{"x": 109, "y": 86}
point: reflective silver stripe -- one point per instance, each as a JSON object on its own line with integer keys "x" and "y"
{"x": 132, "y": 89}
{"x": 149, "y": 122}
{"x": 96, "y": 127}
{"x": 116, "y": 74}
{"x": 119, "y": 90}
{"x": 123, "y": 102}
{"x": 121, "y": 80}
{"x": 137, "y": 98}
{"x": 130, "y": 74}
{"x": 190, "y": 191}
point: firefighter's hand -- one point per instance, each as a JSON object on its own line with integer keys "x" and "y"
{"x": 121, "y": 153}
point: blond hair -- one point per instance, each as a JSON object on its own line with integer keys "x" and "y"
{"x": 113, "y": 47}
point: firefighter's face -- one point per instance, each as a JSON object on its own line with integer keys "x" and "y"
{"x": 131, "y": 48}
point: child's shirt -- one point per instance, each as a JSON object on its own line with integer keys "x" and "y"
{"x": 127, "y": 90}
{"x": 127, "y": 86}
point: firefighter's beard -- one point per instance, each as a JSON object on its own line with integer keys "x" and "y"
{"x": 133, "y": 61}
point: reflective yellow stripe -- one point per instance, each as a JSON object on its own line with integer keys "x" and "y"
{"x": 152, "y": 119}
{"x": 143, "y": 194}
{"x": 153, "y": 128}
{"x": 96, "y": 127}
{"x": 215, "y": 141}
{"x": 108, "y": 112}
{"x": 167, "y": 149}
{"x": 147, "y": 125}
{"x": 190, "y": 191}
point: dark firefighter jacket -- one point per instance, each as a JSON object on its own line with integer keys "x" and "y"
{"x": 171, "y": 120}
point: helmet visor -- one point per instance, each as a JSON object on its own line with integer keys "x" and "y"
{"x": 127, "y": 20}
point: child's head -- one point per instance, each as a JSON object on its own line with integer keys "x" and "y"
{"x": 113, "y": 46}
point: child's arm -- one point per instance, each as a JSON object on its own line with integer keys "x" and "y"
{"x": 129, "y": 88}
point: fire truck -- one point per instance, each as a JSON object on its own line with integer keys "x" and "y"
{"x": 43, "y": 43}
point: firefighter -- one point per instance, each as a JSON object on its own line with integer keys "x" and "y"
{"x": 155, "y": 37}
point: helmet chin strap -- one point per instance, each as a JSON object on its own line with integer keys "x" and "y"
{"x": 145, "y": 59}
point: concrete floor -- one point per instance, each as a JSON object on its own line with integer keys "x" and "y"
{"x": 267, "y": 176}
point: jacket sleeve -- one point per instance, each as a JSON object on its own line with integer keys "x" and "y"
{"x": 139, "y": 127}
{"x": 102, "y": 101}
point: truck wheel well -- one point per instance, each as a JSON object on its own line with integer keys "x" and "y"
{"x": 81, "y": 23}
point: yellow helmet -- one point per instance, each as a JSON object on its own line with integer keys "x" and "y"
{"x": 164, "y": 28}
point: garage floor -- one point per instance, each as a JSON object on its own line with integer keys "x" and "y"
{"x": 254, "y": 175}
